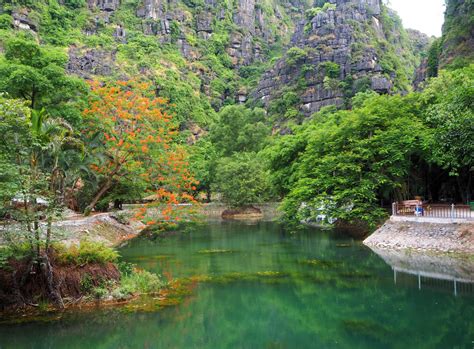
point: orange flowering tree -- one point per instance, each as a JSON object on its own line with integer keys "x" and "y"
{"x": 136, "y": 138}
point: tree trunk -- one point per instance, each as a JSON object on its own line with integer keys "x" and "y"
{"x": 462, "y": 190}
{"x": 54, "y": 294}
{"x": 48, "y": 233}
{"x": 106, "y": 186}
{"x": 37, "y": 237}
{"x": 17, "y": 290}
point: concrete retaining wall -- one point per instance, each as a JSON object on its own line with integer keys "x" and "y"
{"x": 431, "y": 220}
{"x": 424, "y": 236}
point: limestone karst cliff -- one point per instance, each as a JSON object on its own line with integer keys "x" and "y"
{"x": 252, "y": 26}
{"x": 291, "y": 56}
{"x": 346, "y": 46}
{"x": 457, "y": 47}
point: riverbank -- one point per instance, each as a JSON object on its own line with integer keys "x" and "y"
{"x": 109, "y": 228}
{"x": 115, "y": 227}
{"x": 79, "y": 269}
{"x": 457, "y": 238}
{"x": 72, "y": 281}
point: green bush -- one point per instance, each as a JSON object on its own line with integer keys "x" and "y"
{"x": 331, "y": 69}
{"x": 310, "y": 13}
{"x": 5, "y": 255}
{"x": 16, "y": 251}
{"x": 295, "y": 55}
{"x": 285, "y": 105}
{"x": 86, "y": 252}
{"x": 140, "y": 281}
{"x": 100, "y": 292}
{"x": 74, "y": 4}
{"x": 6, "y": 21}
{"x": 87, "y": 283}
{"x": 242, "y": 179}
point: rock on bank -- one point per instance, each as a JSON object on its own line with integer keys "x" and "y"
{"x": 101, "y": 227}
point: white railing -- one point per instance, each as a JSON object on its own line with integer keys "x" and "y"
{"x": 432, "y": 210}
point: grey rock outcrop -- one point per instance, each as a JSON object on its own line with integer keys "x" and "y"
{"x": 422, "y": 236}
{"x": 421, "y": 74}
{"x": 420, "y": 43}
{"x": 151, "y": 9}
{"x": 88, "y": 62}
{"x": 104, "y": 5}
{"x": 22, "y": 21}
{"x": 245, "y": 15}
{"x": 343, "y": 34}
{"x": 120, "y": 34}
{"x": 458, "y": 33}
{"x": 161, "y": 17}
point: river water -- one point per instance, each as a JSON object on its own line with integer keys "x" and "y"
{"x": 265, "y": 288}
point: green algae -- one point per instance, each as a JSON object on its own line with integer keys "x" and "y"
{"x": 320, "y": 263}
{"x": 355, "y": 274}
{"x": 240, "y": 276}
{"x": 149, "y": 258}
{"x": 213, "y": 251}
{"x": 367, "y": 328}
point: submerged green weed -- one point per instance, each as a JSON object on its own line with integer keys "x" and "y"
{"x": 214, "y": 251}
{"x": 320, "y": 263}
{"x": 366, "y": 328}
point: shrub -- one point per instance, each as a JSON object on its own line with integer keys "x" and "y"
{"x": 122, "y": 217}
{"x": 140, "y": 281}
{"x": 289, "y": 100}
{"x": 5, "y": 255}
{"x": 295, "y": 55}
{"x": 100, "y": 292}
{"x": 87, "y": 283}
{"x": 331, "y": 69}
{"x": 6, "y": 21}
{"x": 86, "y": 252}
{"x": 310, "y": 13}
{"x": 16, "y": 251}
{"x": 74, "y": 4}
{"x": 242, "y": 179}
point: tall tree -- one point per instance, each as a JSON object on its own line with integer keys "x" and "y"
{"x": 135, "y": 138}
{"x": 239, "y": 129}
{"x": 449, "y": 112}
{"x": 31, "y": 181}
{"x": 37, "y": 75}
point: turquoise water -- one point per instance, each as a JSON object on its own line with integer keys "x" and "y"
{"x": 265, "y": 288}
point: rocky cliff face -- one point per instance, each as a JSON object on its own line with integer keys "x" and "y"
{"x": 252, "y": 26}
{"x": 213, "y": 52}
{"x": 420, "y": 44}
{"x": 458, "y": 33}
{"x": 345, "y": 47}
{"x": 104, "y": 5}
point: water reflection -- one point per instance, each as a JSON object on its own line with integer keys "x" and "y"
{"x": 433, "y": 271}
{"x": 274, "y": 290}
